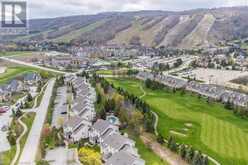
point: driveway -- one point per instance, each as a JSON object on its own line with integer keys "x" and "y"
{"x": 31, "y": 147}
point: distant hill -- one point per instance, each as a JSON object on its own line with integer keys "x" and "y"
{"x": 186, "y": 29}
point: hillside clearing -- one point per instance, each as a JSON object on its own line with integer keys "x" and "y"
{"x": 77, "y": 33}
{"x": 146, "y": 35}
{"x": 198, "y": 37}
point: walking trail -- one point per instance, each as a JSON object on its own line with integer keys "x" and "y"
{"x": 25, "y": 129}
{"x": 18, "y": 145}
{"x": 162, "y": 152}
{"x": 156, "y": 147}
{"x": 155, "y": 114}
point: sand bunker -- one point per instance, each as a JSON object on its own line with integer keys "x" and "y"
{"x": 2, "y": 70}
{"x": 178, "y": 133}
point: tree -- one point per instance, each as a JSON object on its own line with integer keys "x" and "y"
{"x": 196, "y": 158}
{"x": 204, "y": 160}
{"x": 229, "y": 105}
{"x": 44, "y": 74}
{"x": 29, "y": 97}
{"x": 99, "y": 98}
{"x": 160, "y": 139}
{"x": 182, "y": 151}
{"x": 136, "y": 121}
{"x": 189, "y": 154}
{"x": 172, "y": 144}
{"x": 42, "y": 162}
{"x": 89, "y": 156}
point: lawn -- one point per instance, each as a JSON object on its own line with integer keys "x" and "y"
{"x": 7, "y": 156}
{"x": 12, "y": 72}
{"x": 105, "y": 72}
{"x": 146, "y": 153}
{"x": 208, "y": 127}
{"x": 15, "y": 53}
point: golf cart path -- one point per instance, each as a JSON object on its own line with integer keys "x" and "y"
{"x": 155, "y": 114}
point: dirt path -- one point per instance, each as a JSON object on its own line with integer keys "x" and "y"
{"x": 36, "y": 98}
{"x": 164, "y": 153}
{"x": 18, "y": 145}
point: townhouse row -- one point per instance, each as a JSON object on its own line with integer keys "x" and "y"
{"x": 215, "y": 92}
{"x": 116, "y": 149}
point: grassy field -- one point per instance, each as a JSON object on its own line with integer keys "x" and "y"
{"x": 208, "y": 127}
{"x": 146, "y": 153}
{"x": 105, "y": 72}
{"x": 15, "y": 53}
{"x": 12, "y": 72}
{"x": 7, "y": 157}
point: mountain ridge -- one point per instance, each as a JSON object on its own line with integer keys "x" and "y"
{"x": 195, "y": 28}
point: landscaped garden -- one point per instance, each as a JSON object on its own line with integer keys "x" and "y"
{"x": 192, "y": 120}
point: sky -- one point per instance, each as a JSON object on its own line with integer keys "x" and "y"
{"x": 57, "y": 8}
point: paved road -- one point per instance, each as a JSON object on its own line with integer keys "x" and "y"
{"x": 32, "y": 144}
{"x": 32, "y": 65}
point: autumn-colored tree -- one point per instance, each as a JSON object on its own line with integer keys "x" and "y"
{"x": 89, "y": 156}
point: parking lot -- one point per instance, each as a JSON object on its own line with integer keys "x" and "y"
{"x": 5, "y": 119}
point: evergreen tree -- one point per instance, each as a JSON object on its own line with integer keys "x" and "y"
{"x": 196, "y": 158}
{"x": 182, "y": 151}
{"x": 189, "y": 154}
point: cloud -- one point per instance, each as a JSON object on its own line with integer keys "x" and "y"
{"x": 56, "y": 8}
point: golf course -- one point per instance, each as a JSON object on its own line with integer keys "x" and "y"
{"x": 208, "y": 127}
{"x": 12, "y": 72}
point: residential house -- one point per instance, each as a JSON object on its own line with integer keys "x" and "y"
{"x": 15, "y": 86}
{"x": 115, "y": 143}
{"x": 76, "y": 128}
{"x": 5, "y": 95}
{"x": 31, "y": 78}
{"x": 124, "y": 158}
{"x": 100, "y": 130}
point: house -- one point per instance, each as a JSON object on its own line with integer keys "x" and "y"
{"x": 15, "y": 86}
{"x": 100, "y": 130}
{"x": 124, "y": 158}
{"x": 85, "y": 109}
{"x": 115, "y": 143}
{"x": 31, "y": 78}
{"x": 76, "y": 128}
{"x": 5, "y": 95}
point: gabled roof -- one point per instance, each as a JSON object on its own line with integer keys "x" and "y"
{"x": 123, "y": 158}
{"x": 73, "y": 121}
{"x": 30, "y": 76}
{"x": 101, "y": 125}
{"x": 116, "y": 141}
